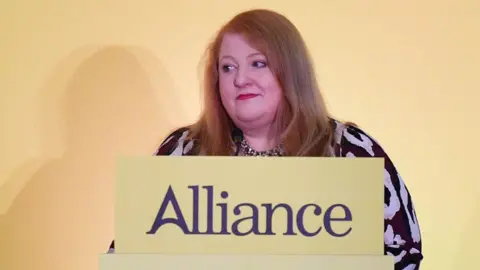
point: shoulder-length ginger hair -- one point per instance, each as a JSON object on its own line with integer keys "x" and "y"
{"x": 303, "y": 119}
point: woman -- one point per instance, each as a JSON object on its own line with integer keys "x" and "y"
{"x": 262, "y": 99}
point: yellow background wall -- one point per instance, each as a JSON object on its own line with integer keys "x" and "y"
{"x": 84, "y": 81}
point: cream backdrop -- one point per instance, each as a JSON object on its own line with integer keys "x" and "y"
{"x": 83, "y": 81}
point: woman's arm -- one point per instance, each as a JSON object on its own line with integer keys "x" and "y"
{"x": 174, "y": 145}
{"x": 402, "y": 233}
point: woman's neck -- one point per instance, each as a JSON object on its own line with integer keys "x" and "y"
{"x": 261, "y": 139}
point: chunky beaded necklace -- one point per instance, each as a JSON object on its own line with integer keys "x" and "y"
{"x": 249, "y": 151}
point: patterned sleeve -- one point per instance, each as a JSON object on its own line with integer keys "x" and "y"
{"x": 402, "y": 233}
{"x": 175, "y": 144}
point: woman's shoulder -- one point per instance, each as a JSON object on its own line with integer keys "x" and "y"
{"x": 353, "y": 141}
{"x": 177, "y": 143}
{"x": 349, "y": 141}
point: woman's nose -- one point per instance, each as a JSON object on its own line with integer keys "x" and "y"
{"x": 242, "y": 78}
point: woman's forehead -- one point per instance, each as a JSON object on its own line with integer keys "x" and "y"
{"x": 237, "y": 44}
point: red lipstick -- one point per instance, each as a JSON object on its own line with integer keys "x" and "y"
{"x": 246, "y": 96}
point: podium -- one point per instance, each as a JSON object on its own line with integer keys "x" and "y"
{"x": 238, "y": 213}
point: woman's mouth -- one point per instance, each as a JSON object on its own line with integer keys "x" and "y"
{"x": 246, "y": 96}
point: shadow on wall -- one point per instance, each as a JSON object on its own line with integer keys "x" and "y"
{"x": 62, "y": 217}
{"x": 49, "y": 122}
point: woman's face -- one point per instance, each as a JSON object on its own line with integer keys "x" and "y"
{"x": 249, "y": 90}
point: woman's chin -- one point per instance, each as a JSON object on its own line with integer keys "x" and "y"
{"x": 250, "y": 116}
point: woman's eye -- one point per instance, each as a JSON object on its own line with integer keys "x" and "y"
{"x": 259, "y": 64}
{"x": 227, "y": 68}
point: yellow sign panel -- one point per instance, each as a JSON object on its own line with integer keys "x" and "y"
{"x": 243, "y": 262}
{"x": 244, "y": 205}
